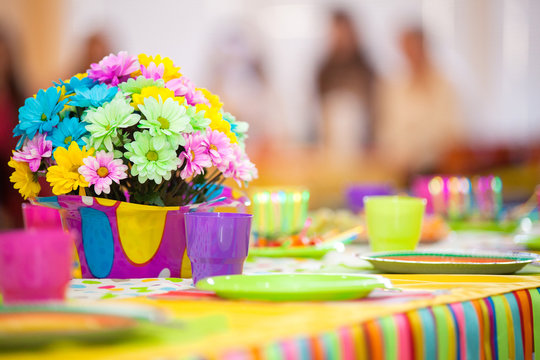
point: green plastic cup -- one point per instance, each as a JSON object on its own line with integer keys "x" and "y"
{"x": 394, "y": 222}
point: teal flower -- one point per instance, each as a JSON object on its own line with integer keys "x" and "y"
{"x": 93, "y": 97}
{"x": 152, "y": 157}
{"x": 197, "y": 121}
{"x": 76, "y": 82}
{"x": 68, "y": 130}
{"x": 134, "y": 86}
{"x": 105, "y": 123}
{"x": 167, "y": 119}
{"x": 39, "y": 114}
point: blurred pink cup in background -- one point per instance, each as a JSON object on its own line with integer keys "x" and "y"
{"x": 35, "y": 266}
{"x": 41, "y": 217}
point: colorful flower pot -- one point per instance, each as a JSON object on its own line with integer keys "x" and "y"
{"x": 116, "y": 239}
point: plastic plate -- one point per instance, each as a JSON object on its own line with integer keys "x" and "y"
{"x": 293, "y": 287}
{"x": 425, "y": 262}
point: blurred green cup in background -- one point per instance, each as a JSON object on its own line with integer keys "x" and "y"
{"x": 394, "y": 222}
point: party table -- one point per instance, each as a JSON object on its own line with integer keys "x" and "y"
{"x": 434, "y": 316}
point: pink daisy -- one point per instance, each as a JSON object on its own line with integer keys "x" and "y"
{"x": 182, "y": 87}
{"x": 219, "y": 147}
{"x": 152, "y": 71}
{"x": 114, "y": 69}
{"x": 241, "y": 168}
{"x": 195, "y": 155}
{"x": 102, "y": 170}
{"x": 34, "y": 150}
{"x": 199, "y": 98}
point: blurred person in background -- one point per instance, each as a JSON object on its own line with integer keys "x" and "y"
{"x": 346, "y": 89}
{"x": 11, "y": 98}
{"x": 238, "y": 76}
{"x": 418, "y": 111}
{"x": 95, "y": 47}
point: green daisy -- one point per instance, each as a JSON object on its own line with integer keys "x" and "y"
{"x": 152, "y": 157}
{"x": 105, "y": 123}
{"x": 134, "y": 86}
{"x": 197, "y": 120}
{"x": 167, "y": 119}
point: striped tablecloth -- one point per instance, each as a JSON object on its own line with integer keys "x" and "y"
{"x": 435, "y": 316}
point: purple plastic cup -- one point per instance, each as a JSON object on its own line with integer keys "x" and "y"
{"x": 35, "y": 266}
{"x": 41, "y": 217}
{"x": 355, "y": 194}
{"x": 217, "y": 243}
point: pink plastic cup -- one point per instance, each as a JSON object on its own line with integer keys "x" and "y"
{"x": 41, "y": 217}
{"x": 35, "y": 266}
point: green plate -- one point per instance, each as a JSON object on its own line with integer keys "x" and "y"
{"x": 313, "y": 252}
{"x": 32, "y": 329}
{"x": 491, "y": 226}
{"x": 530, "y": 241}
{"x": 38, "y": 325}
{"x": 293, "y": 287}
{"x": 426, "y": 262}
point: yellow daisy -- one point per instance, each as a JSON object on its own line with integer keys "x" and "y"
{"x": 214, "y": 100}
{"x": 215, "y": 103}
{"x": 63, "y": 96}
{"x": 64, "y": 177}
{"x": 219, "y": 124}
{"x": 214, "y": 114}
{"x": 80, "y": 76}
{"x": 223, "y": 126}
{"x": 156, "y": 93}
{"x": 170, "y": 71}
{"x": 24, "y": 179}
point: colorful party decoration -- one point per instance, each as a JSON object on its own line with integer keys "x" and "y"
{"x": 279, "y": 212}
{"x": 460, "y": 197}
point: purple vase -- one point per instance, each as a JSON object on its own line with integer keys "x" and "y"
{"x": 217, "y": 243}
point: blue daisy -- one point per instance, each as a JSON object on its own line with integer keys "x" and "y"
{"x": 68, "y": 130}
{"x": 39, "y": 114}
{"x": 93, "y": 97}
{"x": 76, "y": 83}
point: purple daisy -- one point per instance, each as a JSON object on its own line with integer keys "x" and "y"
{"x": 114, "y": 69}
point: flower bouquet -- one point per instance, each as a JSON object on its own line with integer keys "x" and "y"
{"x": 131, "y": 130}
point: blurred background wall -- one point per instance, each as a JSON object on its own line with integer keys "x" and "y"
{"x": 335, "y": 91}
